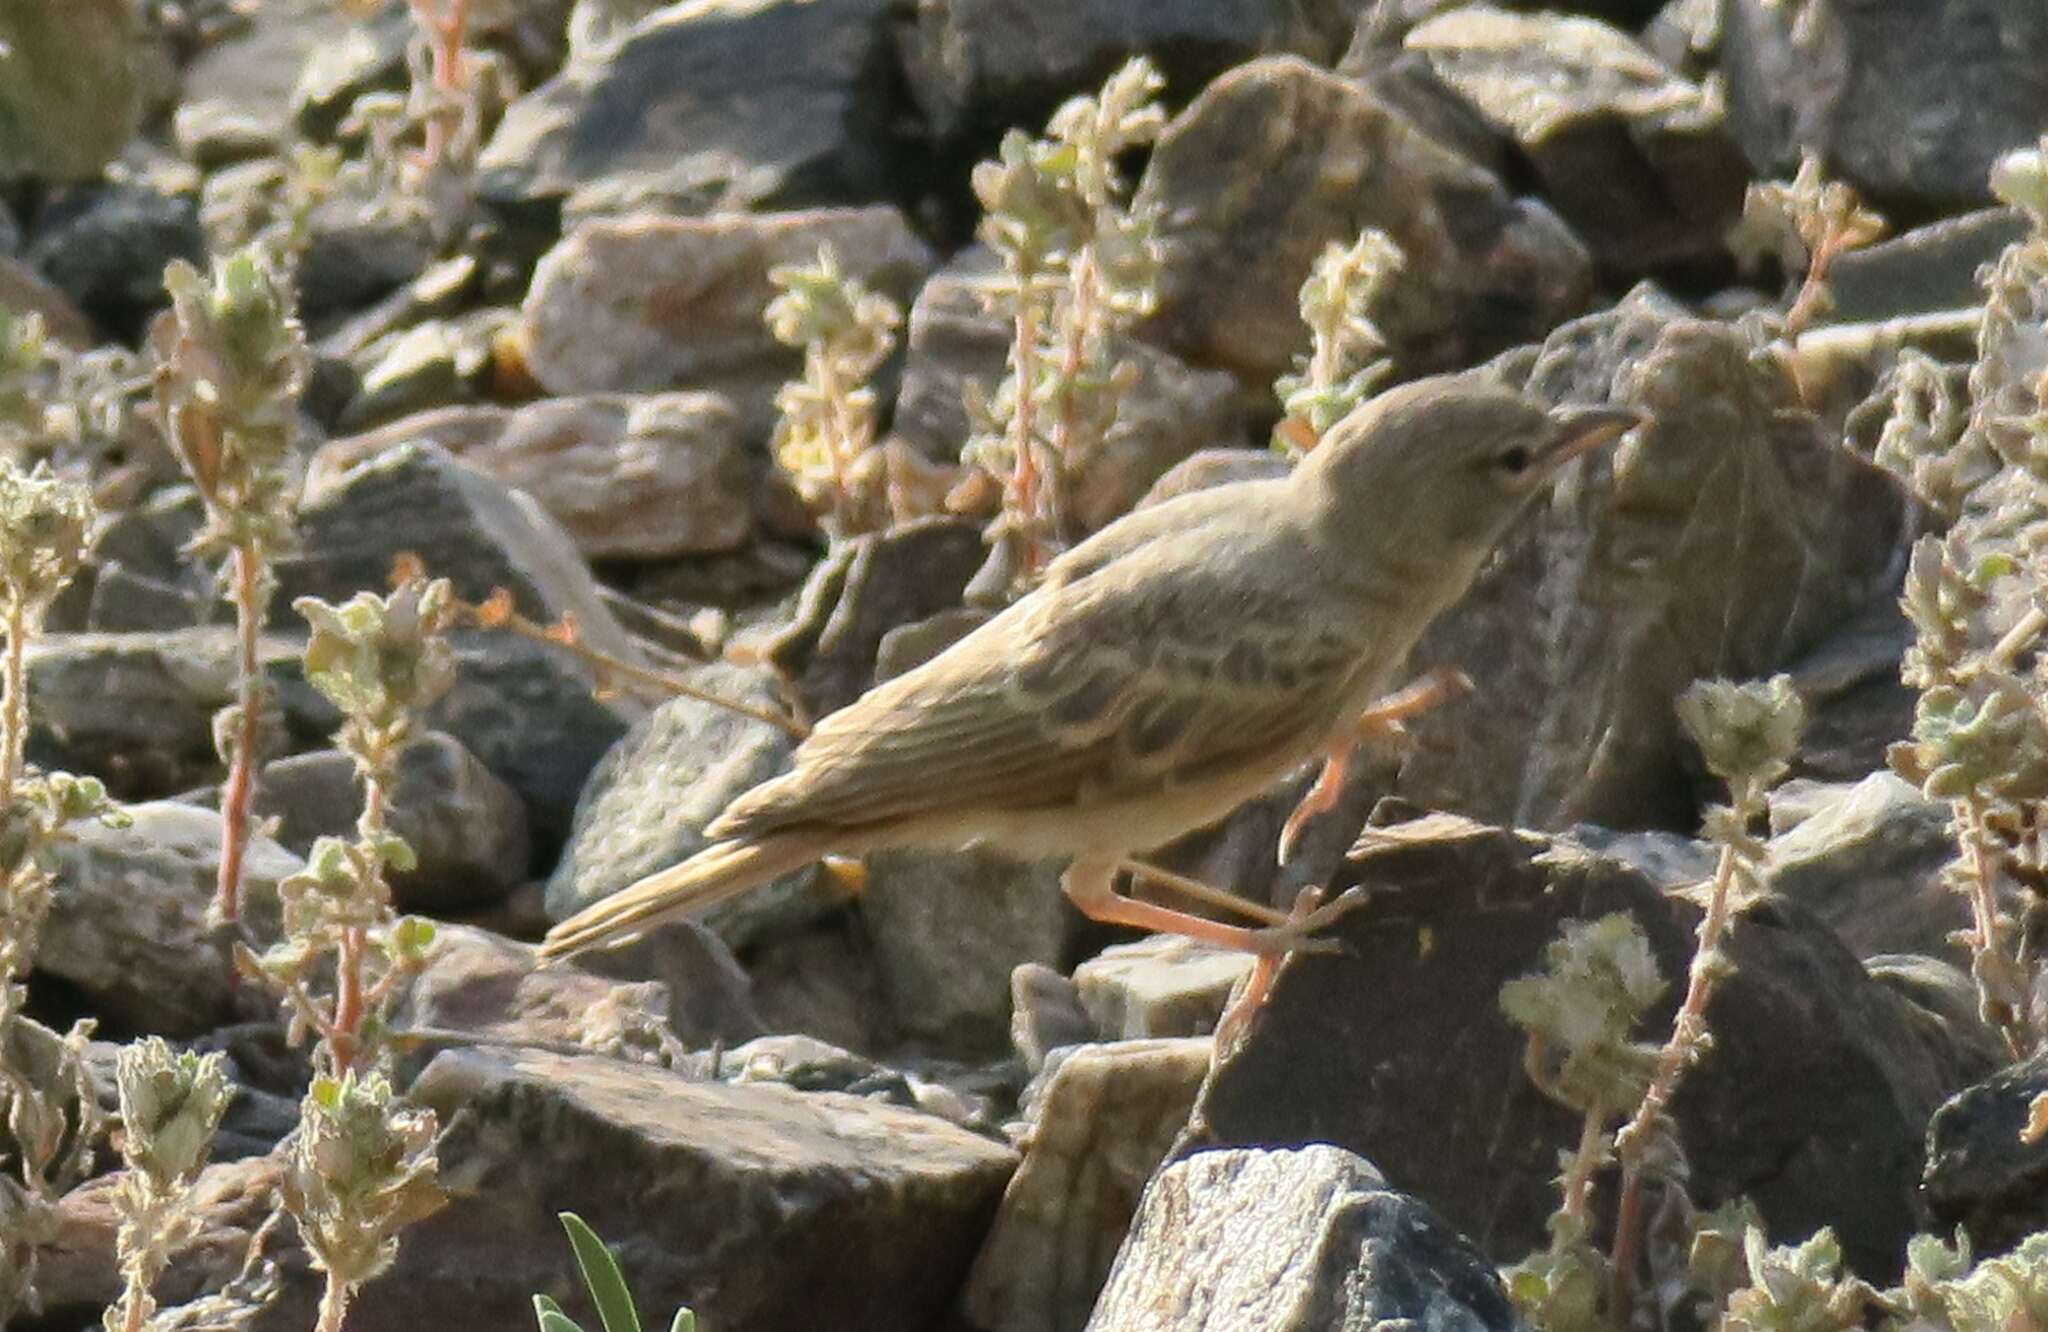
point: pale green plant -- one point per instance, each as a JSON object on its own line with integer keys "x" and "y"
{"x": 359, "y": 1170}
{"x": 231, "y": 361}
{"x": 171, "y": 1105}
{"x": 606, "y": 1286}
{"x": 1079, "y": 266}
{"x": 1807, "y": 224}
{"x": 1346, "y": 360}
{"x": 825, "y": 439}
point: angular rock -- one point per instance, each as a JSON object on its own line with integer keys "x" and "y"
{"x": 1812, "y": 1102}
{"x": 249, "y": 73}
{"x": 646, "y": 806}
{"x": 1277, "y": 159}
{"x": 68, "y": 89}
{"x": 1875, "y": 88}
{"x": 1307, "y": 1240}
{"x": 823, "y": 981}
{"x": 1046, "y": 1016}
{"x": 1867, "y": 859}
{"x": 438, "y": 363}
{"x": 861, "y": 590}
{"x": 648, "y": 304}
{"x": 467, "y": 828}
{"x": 978, "y": 67}
{"x": 712, "y": 106}
{"x": 1635, "y": 158}
{"x": 1856, "y": 705}
{"x": 1982, "y": 1173}
{"x": 745, "y": 1202}
{"x": 1100, "y": 1127}
{"x": 26, "y": 291}
{"x": 628, "y": 477}
{"x": 1727, "y": 537}
{"x": 1923, "y": 270}
{"x": 128, "y": 925}
{"x": 489, "y": 990}
{"x": 1170, "y": 410}
{"x": 948, "y": 928}
{"x": 465, "y": 526}
{"x": 105, "y": 247}
{"x": 1157, "y": 987}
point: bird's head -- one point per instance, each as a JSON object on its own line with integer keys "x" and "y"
{"x": 1442, "y": 466}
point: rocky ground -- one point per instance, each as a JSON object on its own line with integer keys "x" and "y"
{"x": 948, "y": 1101}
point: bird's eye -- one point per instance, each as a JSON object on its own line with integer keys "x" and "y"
{"x": 1514, "y": 461}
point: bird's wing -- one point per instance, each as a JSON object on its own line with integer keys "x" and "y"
{"x": 1129, "y": 677}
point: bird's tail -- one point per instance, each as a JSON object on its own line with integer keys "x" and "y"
{"x": 720, "y": 871}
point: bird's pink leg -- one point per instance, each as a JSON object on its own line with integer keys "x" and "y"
{"x": 1381, "y": 720}
{"x": 1245, "y": 1006}
{"x": 1091, "y": 886}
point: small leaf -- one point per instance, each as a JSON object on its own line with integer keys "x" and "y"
{"x": 601, "y": 1277}
{"x": 685, "y": 1322}
{"x": 550, "y": 1316}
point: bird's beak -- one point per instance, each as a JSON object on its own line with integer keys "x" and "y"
{"x": 1577, "y": 430}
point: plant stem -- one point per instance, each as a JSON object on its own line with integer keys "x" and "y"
{"x": 1688, "y": 1030}
{"x": 1022, "y": 496}
{"x": 14, "y": 702}
{"x": 333, "y": 1305}
{"x": 446, "y": 37}
{"x": 241, "y": 783}
{"x": 1578, "y": 1179}
{"x": 2002, "y": 990}
{"x": 1077, "y": 328}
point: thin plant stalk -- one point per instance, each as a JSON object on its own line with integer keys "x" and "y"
{"x": 447, "y": 37}
{"x": 1079, "y": 329}
{"x": 240, "y": 790}
{"x": 14, "y": 703}
{"x": 1024, "y": 478}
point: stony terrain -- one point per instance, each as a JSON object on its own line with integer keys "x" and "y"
{"x": 937, "y": 1102}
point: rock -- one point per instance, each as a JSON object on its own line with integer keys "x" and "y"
{"x": 763, "y": 1195}
{"x": 1099, "y": 1129}
{"x": 909, "y": 646}
{"x": 212, "y": 134}
{"x": 128, "y": 925}
{"x": 715, "y": 106}
{"x": 709, "y": 998}
{"x": 25, "y": 291}
{"x": 1638, "y": 160}
{"x": 438, "y": 363}
{"x": 1046, "y": 1016}
{"x": 249, "y": 73}
{"x": 948, "y": 928}
{"x": 136, "y": 710}
{"x": 628, "y": 477}
{"x": 68, "y": 88}
{"x": 467, "y": 828}
{"x": 1170, "y": 410}
{"x": 490, "y": 991}
{"x": 648, "y": 304}
{"x": 463, "y": 525}
{"x": 1926, "y": 269}
{"x": 1277, "y": 159}
{"x": 1982, "y": 1172}
{"x": 1868, "y": 861}
{"x": 1159, "y": 986}
{"x": 368, "y": 57}
{"x": 1945, "y": 1005}
{"x": 861, "y": 590}
{"x": 1641, "y": 590}
{"x": 646, "y": 806}
{"x": 823, "y": 981}
{"x": 1812, "y": 1102}
{"x": 1312, "y": 1238}
{"x": 978, "y": 67}
{"x": 1873, "y": 87}
{"x": 105, "y": 247}
{"x": 1215, "y": 467}
{"x": 1856, "y": 705}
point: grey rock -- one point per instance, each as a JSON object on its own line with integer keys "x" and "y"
{"x": 1046, "y": 1015}
{"x": 978, "y": 67}
{"x": 712, "y": 106}
{"x": 1655, "y": 564}
{"x": 1856, "y": 705}
{"x": 627, "y": 477}
{"x": 648, "y": 304}
{"x": 214, "y": 133}
{"x": 1812, "y": 1105}
{"x": 1874, "y": 87}
{"x": 1638, "y": 160}
{"x": 1982, "y": 1174}
{"x": 1926, "y": 269}
{"x": 1157, "y": 987}
{"x": 25, "y": 290}
{"x": 128, "y": 926}
{"x": 762, "y": 1195}
{"x": 465, "y": 526}
{"x": 1170, "y": 410}
{"x": 249, "y": 73}
{"x": 467, "y": 828}
{"x": 68, "y": 88}
{"x": 1305, "y": 1240}
{"x": 948, "y": 928}
{"x": 646, "y": 806}
{"x": 479, "y": 988}
{"x": 859, "y": 592}
{"x": 823, "y": 981}
{"x": 369, "y": 56}
{"x": 105, "y": 246}
{"x": 908, "y": 646}
{"x": 436, "y": 363}
{"x": 1868, "y": 860}
{"x": 1099, "y": 1129}
{"x": 1277, "y": 159}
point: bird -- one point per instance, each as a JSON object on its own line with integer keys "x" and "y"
{"x": 1179, "y": 662}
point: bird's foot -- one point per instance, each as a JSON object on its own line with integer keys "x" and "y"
{"x": 1296, "y": 936}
